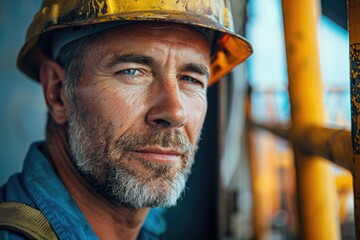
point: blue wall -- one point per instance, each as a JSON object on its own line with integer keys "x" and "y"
{"x": 22, "y": 108}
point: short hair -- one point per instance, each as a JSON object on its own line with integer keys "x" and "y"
{"x": 71, "y": 58}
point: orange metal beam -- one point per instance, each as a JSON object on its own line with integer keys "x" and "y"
{"x": 259, "y": 232}
{"x": 340, "y": 146}
{"x": 316, "y": 191}
{"x": 332, "y": 144}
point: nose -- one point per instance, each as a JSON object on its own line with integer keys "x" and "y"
{"x": 167, "y": 110}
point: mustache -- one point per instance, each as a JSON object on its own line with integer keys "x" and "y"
{"x": 165, "y": 138}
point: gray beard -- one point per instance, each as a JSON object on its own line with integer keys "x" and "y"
{"x": 105, "y": 164}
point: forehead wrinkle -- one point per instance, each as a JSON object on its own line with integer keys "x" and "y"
{"x": 143, "y": 58}
{"x": 171, "y": 41}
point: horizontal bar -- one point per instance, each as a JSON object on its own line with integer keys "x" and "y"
{"x": 332, "y": 144}
{"x": 277, "y": 90}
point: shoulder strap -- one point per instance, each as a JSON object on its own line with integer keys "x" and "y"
{"x": 26, "y": 220}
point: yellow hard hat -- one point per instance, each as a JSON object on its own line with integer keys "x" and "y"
{"x": 229, "y": 48}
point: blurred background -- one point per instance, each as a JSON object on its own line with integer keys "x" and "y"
{"x": 22, "y": 106}
{"x": 219, "y": 201}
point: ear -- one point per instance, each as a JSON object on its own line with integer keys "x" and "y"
{"x": 52, "y": 77}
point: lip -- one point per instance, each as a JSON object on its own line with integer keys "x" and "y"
{"x": 159, "y": 155}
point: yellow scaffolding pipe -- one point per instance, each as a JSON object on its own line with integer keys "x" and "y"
{"x": 316, "y": 191}
{"x": 354, "y": 33}
{"x": 258, "y": 228}
{"x": 332, "y": 144}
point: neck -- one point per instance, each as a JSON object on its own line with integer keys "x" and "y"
{"x": 109, "y": 220}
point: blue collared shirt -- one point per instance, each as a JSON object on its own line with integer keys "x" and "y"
{"x": 39, "y": 186}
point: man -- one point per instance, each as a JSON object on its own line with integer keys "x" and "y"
{"x": 125, "y": 86}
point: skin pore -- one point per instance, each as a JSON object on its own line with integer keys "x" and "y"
{"x": 127, "y": 141}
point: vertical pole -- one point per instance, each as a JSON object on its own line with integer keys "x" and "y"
{"x": 354, "y": 32}
{"x": 257, "y": 223}
{"x": 316, "y": 191}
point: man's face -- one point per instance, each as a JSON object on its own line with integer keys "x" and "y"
{"x": 138, "y": 111}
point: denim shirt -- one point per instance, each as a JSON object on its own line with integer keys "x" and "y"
{"x": 39, "y": 186}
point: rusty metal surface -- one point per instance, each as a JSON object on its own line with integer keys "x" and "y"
{"x": 355, "y": 125}
{"x": 354, "y": 37}
{"x": 355, "y": 95}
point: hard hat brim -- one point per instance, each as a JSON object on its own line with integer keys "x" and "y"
{"x": 33, "y": 53}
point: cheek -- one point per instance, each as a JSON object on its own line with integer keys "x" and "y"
{"x": 113, "y": 106}
{"x": 196, "y": 115}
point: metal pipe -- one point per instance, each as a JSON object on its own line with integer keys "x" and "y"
{"x": 354, "y": 37}
{"x": 276, "y": 129}
{"x": 332, "y": 144}
{"x": 259, "y": 232}
{"x": 316, "y": 191}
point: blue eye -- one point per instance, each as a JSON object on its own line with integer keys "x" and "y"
{"x": 131, "y": 72}
{"x": 192, "y": 80}
{"x": 189, "y": 79}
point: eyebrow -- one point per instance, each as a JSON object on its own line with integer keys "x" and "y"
{"x": 150, "y": 61}
{"x": 129, "y": 58}
{"x": 197, "y": 68}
